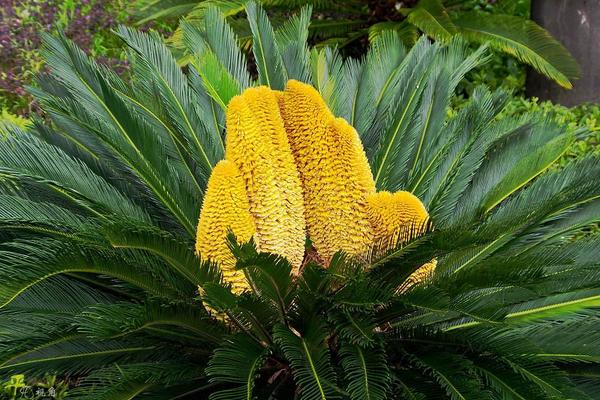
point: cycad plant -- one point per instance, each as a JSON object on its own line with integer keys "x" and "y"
{"x": 346, "y": 23}
{"x": 464, "y": 271}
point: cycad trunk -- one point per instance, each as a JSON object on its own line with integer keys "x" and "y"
{"x": 576, "y": 24}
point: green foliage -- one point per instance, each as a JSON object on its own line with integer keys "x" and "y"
{"x": 523, "y": 39}
{"x": 582, "y": 120}
{"x": 309, "y": 359}
{"x": 500, "y": 72}
{"x": 236, "y": 362}
{"x": 98, "y": 207}
{"x": 430, "y": 16}
{"x": 367, "y": 372}
{"x": 8, "y": 119}
{"x": 88, "y": 23}
{"x": 504, "y": 26}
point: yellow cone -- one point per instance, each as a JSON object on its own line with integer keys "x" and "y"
{"x": 225, "y": 208}
{"x": 399, "y": 217}
{"x": 394, "y": 216}
{"x": 334, "y": 170}
{"x": 421, "y": 274}
{"x": 258, "y": 145}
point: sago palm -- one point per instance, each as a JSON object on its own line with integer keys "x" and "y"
{"x": 346, "y": 23}
{"x": 465, "y": 271}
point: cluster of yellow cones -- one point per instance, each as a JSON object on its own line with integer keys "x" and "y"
{"x": 292, "y": 169}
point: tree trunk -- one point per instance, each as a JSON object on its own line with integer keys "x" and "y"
{"x": 576, "y": 24}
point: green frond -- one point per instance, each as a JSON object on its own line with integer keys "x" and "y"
{"x": 76, "y": 355}
{"x": 95, "y": 105}
{"x": 308, "y": 356}
{"x": 506, "y": 383}
{"x": 220, "y": 38}
{"x": 122, "y": 320}
{"x": 527, "y": 169}
{"x": 366, "y": 372}
{"x": 270, "y": 276}
{"x": 150, "y": 380}
{"x": 356, "y": 328}
{"x": 217, "y": 81}
{"x": 42, "y": 259}
{"x": 400, "y": 126}
{"x": 381, "y": 65}
{"x": 522, "y": 38}
{"x": 150, "y": 10}
{"x": 551, "y": 195}
{"x": 24, "y": 157}
{"x": 264, "y": 47}
{"x": 178, "y": 255}
{"x": 251, "y": 315}
{"x": 237, "y": 362}
{"x": 362, "y": 295}
{"x": 513, "y": 161}
{"x": 454, "y": 374}
{"x": 329, "y": 29}
{"x": 431, "y": 17}
{"x": 43, "y": 218}
{"x": 407, "y": 32}
{"x": 554, "y": 306}
{"x": 156, "y": 60}
{"x": 401, "y": 387}
{"x": 552, "y": 381}
{"x": 326, "y": 67}
{"x": 316, "y": 4}
{"x": 291, "y": 41}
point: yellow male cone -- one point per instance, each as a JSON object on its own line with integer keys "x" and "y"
{"x": 291, "y": 166}
{"x": 258, "y": 145}
{"x": 225, "y": 208}
{"x": 421, "y": 274}
{"x": 396, "y": 216}
{"x": 334, "y": 171}
{"x": 399, "y": 217}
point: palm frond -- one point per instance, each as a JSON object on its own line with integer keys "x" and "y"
{"x": 270, "y": 276}
{"x": 217, "y": 35}
{"x": 44, "y": 258}
{"x": 237, "y": 362}
{"x": 408, "y": 33}
{"x": 264, "y": 47}
{"x": 25, "y": 158}
{"x": 116, "y": 320}
{"x": 523, "y": 39}
{"x": 400, "y": 127}
{"x": 431, "y": 17}
{"x": 367, "y": 377}
{"x": 309, "y": 358}
{"x": 381, "y": 65}
{"x": 459, "y": 382}
{"x": 148, "y": 379}
{"x": 156, "y": 61}
{"x": 150, "y": 10}
{"x": 119, "y": 131}
{"x": 291, "y": 41}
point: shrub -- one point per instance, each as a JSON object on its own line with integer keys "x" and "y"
{"x": 21, "y": 23}
{"x": 583, "y": 120}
